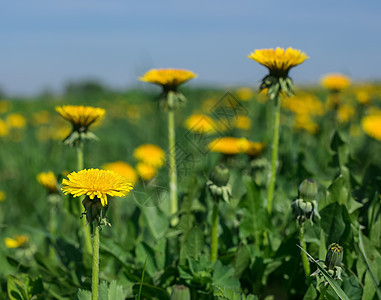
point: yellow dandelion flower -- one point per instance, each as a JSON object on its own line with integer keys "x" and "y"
{"x": 146, "y": 171}
{"x": 372, "y": 126}
{"x": 255, "y": 148}
{"x": 2, "y": 196}
{"x": 363, "y": 97}
{"x": 96, "y": 183}
{"x": 81, "y": 117}
{"x": 229, "y": 145}
{"x": 242, "y": 122}
{"x": 306, "y": 123}
{"x": 304, "y": 104}
{"x": 16, "y": 242}
{"x": 16, "y": 121}
{"x": 3, "y": 128}
{"x": 279, "y": 61}
{"x": 335, "y": 81}
{"x": 49, "y": 181}
{"x": 168, "y": 78}
{"x": 150, "y": 154}
{"x": 123, "y": 169}
{"x": 245, "y": 93}
{"x": 200, "y": 123}
{"x": 345, "y": 113}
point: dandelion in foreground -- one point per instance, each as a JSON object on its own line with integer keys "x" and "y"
{"x": 97, "y": 185}
{"x": 170, "y": 99}
{"x": 81, "y": 118}
{"x": 279, "y": 62}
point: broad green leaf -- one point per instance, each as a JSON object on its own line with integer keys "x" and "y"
{"x": 115, "y": 291}
{"x": 364, "y": 257}
{"x": 330, "y": 280}
{"x": 23, "y": 286}
{"x": 194, "y": 243}
{"x": 332, "y": 222}
{"x": 223, "y": 276}
{"x": 156, "y": 220}
{"x": 82, "y": 295}
{"x": 311, "y": 293}
{"x": 103, "y": 290}
{"x": 241, "y": 260}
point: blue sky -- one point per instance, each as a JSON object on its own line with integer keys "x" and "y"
{"x": 45, "y": 43}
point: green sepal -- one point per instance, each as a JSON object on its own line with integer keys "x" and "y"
{"x": 171, "y": 100}
{"x": 77, "y": 136}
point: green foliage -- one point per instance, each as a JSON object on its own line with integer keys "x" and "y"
{"x": 142, "y": 255}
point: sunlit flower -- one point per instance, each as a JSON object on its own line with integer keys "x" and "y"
{"x": 2, "y": 196}
{"x": 81, "y": 117}
{"x": 229, "y": 145}
{"x": 49, "y": 181}
{"x": 363, "y": 97}
{"x": 96, "y": 183}
{"x": 279, "y": 61}
{"x": 245, "y": 93}
{"x": 255, "y": 148}
{"x": 123, "y": 169}
{"x": 304, "y": 104}
{"x": 306, "y": 123}
{"x": 16, "y": 121}
{"x": 372, "y": 126}
{"x": 146, "y": 171}
{"x": 335, "y": 81}
{"x": 242, "y": 122}
{"x": 345, "y": 113}
{"x": 200, "y": 123}
{"x": 170, "y": 79}
{"x": 16, "y": 242}
{"x": 3, "y": 128}
{"x": 150, "y": 154}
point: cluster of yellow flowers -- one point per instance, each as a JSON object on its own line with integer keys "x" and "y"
{"x": 150, "y": 159}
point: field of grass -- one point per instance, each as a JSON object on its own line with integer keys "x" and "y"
{"x": 147, "y": 255}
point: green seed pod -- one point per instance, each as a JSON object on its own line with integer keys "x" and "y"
{"x": 220, "y": 175}
{"x": 308, "y": 190}
{"x": 180, "y": 292}
{"x": 334, "y": 256}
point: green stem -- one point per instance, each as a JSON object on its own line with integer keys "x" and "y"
{"x": 86, "y": 229}
{"x": 306, "y": 264}
{"x": 214, "y": 235}
{"x": 274, "y": 155}
{"x": 172, "y": 167}
{"x": 95, "y": 275}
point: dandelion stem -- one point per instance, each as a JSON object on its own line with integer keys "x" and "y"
{"x": 274, "y": 155}
{"x": 95, "y": 275}
{"x": 214, "y": 235}
{"x": 172, "y": 166}
{"x": 80, "y": 166}
{"x": 306, "y": 264}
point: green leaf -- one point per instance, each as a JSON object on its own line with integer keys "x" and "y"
{"x": 82, "y": 295}
{"x": 156, "y": 220}
{"x": 194, "y": 243}
{"x": 364, "y": 257}
{"x": 332, "y": 222}
{"x": 241, "y": 260}
{"x": 339, "y": 292}
{"x": 23, "y": 286}
{"x": 103, "y": 290}
{"x": 223, "y": 277}
{"x": 311, "y": 293}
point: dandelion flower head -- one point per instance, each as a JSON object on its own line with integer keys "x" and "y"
{"x": 96, "y": 183}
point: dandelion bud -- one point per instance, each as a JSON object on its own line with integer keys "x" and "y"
{"x": 308, "y": 190}
{"x": 334, "y": 256}
{"x": 180, "y": 292}
{"x": 220, "y": 175}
